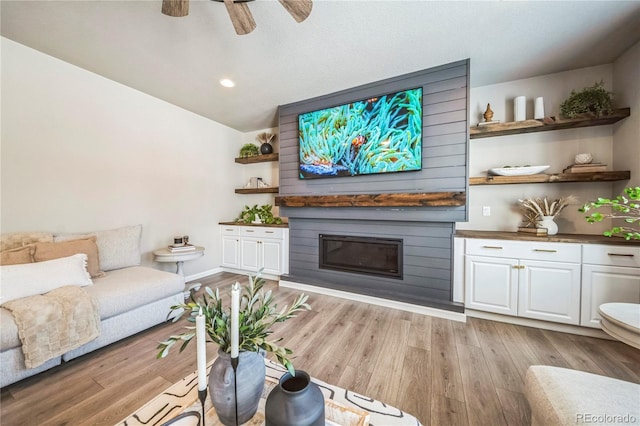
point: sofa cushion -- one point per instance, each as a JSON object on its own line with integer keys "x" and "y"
{"x": 560, "y": 396}
{"x": 117, "y": 248}
{"x": 49, "y": 251}
{"x": 124, "y": 289}
{"x": 17, "y": 256}
{"x": 13, "y": 240}
{"x": 40, "y": 277}
{"x": 8, "y": 331}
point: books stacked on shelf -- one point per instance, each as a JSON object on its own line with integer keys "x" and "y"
{"x": 534, "y": 231}
{"x": 180, "y": 248}
{"x": 586, "y": 168}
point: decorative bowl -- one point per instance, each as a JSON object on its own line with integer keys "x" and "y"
{"x": 518, "y": 170}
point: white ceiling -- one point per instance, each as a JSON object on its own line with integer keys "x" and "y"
{"x": 344, "y": 43}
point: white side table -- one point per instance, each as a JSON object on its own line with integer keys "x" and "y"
{"x": 164, "y": 255}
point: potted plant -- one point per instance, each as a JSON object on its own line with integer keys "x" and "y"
{"x": 625, "y": 208}
{"x": 594, "y": 100}
{"x": 264, "y": 213}
{"x": 258, "y": 313}
{"x": 249, "y": 150}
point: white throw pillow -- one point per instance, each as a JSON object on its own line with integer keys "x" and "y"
{"x": 29, "y": 279}
{"x": 117, "y": 248}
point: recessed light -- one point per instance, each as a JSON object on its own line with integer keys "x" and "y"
{"x": 227, "y": 83}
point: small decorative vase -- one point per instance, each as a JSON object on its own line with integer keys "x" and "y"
{"x": 547, "y": 222}
{"x": 584, "y": 158}
{"x": 266, "y": 148}
{"x": 296, "y": 401}
{"x": 250, "y": 375}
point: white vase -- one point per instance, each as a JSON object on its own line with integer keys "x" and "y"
{"x": 547, "y": 222}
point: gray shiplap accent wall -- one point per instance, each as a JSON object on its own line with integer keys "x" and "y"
{"x": 444, "y": 151}
{"x": 426, "y": 231}
{"x": 427, "y": 259}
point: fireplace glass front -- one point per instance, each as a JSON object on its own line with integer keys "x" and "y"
{"x": 365, "y": 255}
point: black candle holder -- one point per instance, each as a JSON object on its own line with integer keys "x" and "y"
{"x": 202, "y": 396}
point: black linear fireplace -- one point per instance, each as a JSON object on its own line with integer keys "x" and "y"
{"x": 365, "y": 255}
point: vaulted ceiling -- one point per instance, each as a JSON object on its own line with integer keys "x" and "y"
{"x": 343, "y": 43}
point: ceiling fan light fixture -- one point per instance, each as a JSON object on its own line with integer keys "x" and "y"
{"x": 225, "y": 82}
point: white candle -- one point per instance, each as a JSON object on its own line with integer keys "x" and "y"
{"x": 235, "y": 326}
{"x": 202, "y": 351}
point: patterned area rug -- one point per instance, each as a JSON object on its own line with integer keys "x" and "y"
{"x": 354, "y": 408}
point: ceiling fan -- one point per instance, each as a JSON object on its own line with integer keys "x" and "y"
{"x": 239, "y": 11}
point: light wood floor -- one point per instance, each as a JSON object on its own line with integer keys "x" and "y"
{"x": 443, "y": 372}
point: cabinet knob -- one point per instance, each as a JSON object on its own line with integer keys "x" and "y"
{"x": 621, "y": 254}
{"x": 545, "y": 250}
{"x": 518, "y": 266}
{"x": 493, "y": 247}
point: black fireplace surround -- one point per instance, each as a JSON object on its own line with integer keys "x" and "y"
{"x": 364, "y": 255}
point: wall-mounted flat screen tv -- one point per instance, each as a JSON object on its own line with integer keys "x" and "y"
{"x": 377, "y": 135}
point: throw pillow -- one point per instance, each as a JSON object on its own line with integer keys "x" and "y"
{"x": 118, "y": 248}
{"x": 41, "y": 277}
{"x": 49, "y": 251}
{"x": 17, "y": 256}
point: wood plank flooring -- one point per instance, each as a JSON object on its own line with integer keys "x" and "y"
{"x": 443, "y": 372}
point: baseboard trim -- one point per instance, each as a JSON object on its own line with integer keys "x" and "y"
{"x": 440, "y": 313}
{"x": 202, "y": 274}
{"x": 545, "y": 325}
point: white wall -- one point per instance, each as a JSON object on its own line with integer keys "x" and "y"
{"x": 556, "y": 148}
{"x": 80, "y": 152}
{"x": 626, "y": 92}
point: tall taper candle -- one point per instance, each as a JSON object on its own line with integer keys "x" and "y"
{"x": 235, "y": 326}
{"x": 201, "y": 351}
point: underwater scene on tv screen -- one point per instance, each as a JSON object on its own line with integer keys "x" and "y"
{"x": 376, "y": 135}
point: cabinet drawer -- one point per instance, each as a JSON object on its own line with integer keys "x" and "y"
{"x": 261, "y": 232}
{"x": 230, "y": 230}
{"x": 552, "y": 252}
{"x": 600, "y": 254}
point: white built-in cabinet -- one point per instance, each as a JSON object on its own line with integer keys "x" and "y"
{"x": 539, "y": 281}
{"x": 550, "y": 281}
{"x": 251, "y": 248}
{"x": 609, "y": 274}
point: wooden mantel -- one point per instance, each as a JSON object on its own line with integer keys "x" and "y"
{"x": 423, "y": 199}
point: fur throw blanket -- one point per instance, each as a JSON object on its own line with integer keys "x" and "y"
{"x": 54, "y": 323}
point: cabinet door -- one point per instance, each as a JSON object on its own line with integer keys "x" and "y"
{"x": 491, "y": 284}
{"x": 231, "y": 251}
{"x": 607, "y": 284}
{"x": 549, "y": 291}
{"x": 271, "y": 256}
{"x": 250, "y": 254}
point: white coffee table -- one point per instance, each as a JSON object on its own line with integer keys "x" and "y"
{"x": 164, "y": 255}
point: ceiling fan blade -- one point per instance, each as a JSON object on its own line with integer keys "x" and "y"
{"x": 299, "y": 9}
{"x": 241, "y": 17}
{"x": 176, "y": 8}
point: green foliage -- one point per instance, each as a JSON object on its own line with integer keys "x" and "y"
{"x": 626, "y": 208}
{"x": 594, "y": 99}
{"x": 258, "y": 313}
{"x": 249, "y": 150}
{"x": 263, "y": 212}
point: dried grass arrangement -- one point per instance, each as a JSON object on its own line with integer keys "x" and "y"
{"x": 533, "y": 209}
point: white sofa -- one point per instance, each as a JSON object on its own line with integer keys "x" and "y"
{"x": 130, "y": 297}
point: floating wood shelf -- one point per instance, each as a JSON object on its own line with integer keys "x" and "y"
{"x": 269, "y": 190}
{"x": 546, "y": 124}
{"x": 439, "y": 199}
{"x": 258, "y": 158}
{"x": 553, "y": 178}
